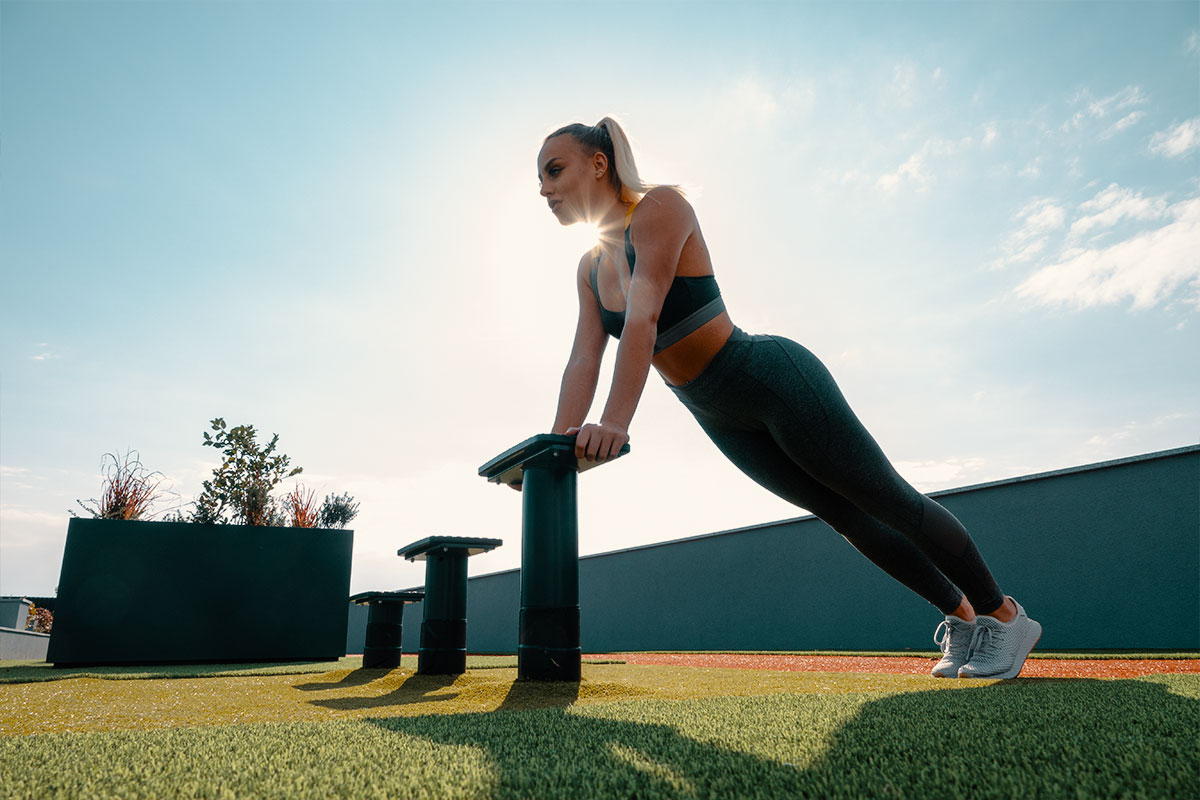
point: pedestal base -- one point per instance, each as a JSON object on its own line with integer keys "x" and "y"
{"x": 549, "y": 644}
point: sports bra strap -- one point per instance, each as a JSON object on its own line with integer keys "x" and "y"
{"x": 689, "y": 324}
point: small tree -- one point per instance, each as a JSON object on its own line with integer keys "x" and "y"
{"x": 240, "y": 489}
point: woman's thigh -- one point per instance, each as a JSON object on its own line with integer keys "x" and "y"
{"x": 798, "y": 402}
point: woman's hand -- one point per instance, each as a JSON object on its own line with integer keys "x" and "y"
{"x": 598, "y": 442}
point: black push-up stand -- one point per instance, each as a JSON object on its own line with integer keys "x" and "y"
{"x": 545, "y": 466}
{"x": 444, "y": 626}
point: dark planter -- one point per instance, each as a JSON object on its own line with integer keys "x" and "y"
{"x": 181, "y": 592}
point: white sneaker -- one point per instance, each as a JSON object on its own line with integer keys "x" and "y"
{"x": 999, "y": 649}
{"x": 955, "y": 642}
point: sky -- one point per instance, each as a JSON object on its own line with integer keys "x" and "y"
{"x": 322, "y": 219}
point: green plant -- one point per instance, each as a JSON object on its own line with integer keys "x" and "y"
{"x": 240, "y": 489}
{"x": 129, "y": 488}
{"x": 337, "y": 510}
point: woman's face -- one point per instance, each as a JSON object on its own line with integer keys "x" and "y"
{"x": 568, "y": 179}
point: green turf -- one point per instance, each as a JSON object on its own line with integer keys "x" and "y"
{"x": 1024, "y": 738}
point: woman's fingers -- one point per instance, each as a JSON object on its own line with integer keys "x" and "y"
{"x": 599, "y": 442}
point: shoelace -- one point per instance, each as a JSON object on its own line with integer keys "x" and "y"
{"x": 942, "y": 638}
{"x": 981, "y": 640}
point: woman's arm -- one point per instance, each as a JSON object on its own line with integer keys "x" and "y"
{"x": 662, "y": 224}
{"x": 583, "y": 367}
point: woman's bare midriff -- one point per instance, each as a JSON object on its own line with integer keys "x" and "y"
{"x": 684, "y": 360}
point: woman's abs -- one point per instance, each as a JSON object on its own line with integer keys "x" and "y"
{"x": 684, "y": 360}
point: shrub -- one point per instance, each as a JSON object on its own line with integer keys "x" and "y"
{"x": 40, "y": 620}
{"x": 337, "y": 510}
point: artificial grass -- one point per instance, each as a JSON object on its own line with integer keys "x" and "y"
{"x": 1043, "y": 738}
{"x": 88, "y": 704}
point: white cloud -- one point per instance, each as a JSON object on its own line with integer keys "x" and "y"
{"x": 1132, "y": 435}
{"x": 11, "y": 472}
{"x": 929, "y": 476}
{"x": 903, "y": 87}
{"x": 912, "y": 170}
{"x": 1105, "y": 107}
{"x": 1114, "y": 204}
{"x": 915, "y": 169}
{"x": 1032, "y": 169}
{"x": 990, "y": 134}
{"x": 20, "y": 514}
{"x": 1178, "y": 140}
{"x": 1129, "y": 96}
{"x": 1038, "y": 220}
{"x": 1145, "y": 268}
{"x": 750, "y": 101}
{"x": 1127, "y": 121}
{"x": 1193, "y": 42}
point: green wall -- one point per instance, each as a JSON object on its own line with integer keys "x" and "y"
{"x": 1104, "y": 556}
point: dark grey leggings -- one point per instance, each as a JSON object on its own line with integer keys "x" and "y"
{"x": 775, "y": 411}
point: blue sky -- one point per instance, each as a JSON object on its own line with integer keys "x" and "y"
{"x": 322, "y": 219}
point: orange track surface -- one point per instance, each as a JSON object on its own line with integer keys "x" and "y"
{"x": 1034, "y": 667}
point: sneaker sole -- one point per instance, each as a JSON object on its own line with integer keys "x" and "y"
{"x": 1032, "y": 636}
{"x": 948, "y": 674}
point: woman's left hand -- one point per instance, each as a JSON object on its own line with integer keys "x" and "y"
{"x": 598, "y": 442}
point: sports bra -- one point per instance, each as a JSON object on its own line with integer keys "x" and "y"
{"x": 691, "y": 301}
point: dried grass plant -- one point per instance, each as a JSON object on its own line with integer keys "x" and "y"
{"x": 301, "y": 508}
{"x": 129, "y": 488}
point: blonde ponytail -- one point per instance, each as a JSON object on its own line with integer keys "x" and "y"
{"x": 607, "y": 137}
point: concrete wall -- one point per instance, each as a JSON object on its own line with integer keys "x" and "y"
{"x": 21, "y": 644}
{"x": 14, "y": 612}
{"x": 1104, "y": 556}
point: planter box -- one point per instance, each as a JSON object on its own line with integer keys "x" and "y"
{"x": 181, "y": 592}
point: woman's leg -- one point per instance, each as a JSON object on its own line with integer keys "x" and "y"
{"x": 800, "y": 405}
{"x": 758, "y": 455}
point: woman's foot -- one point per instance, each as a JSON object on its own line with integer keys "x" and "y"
{"x": 956, "y": 646}
{"x": 999, "y": 649}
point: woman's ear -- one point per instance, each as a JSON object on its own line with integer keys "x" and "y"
{"x": 600, "y": 162}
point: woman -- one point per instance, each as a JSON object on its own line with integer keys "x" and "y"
{"x": 767, "y": 403}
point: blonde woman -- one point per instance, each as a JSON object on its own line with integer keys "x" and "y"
{"x": 766, "y": 402}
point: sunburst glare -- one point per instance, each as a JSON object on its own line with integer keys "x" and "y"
{"x": 585, "y": 235}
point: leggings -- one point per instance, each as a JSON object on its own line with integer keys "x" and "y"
{"x": 774, "y": 410}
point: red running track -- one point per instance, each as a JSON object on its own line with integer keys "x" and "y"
{"x": 910, "y": 665}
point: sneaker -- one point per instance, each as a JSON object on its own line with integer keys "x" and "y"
{"x": 954, "y": 637}
{"x": 999, "y": 649}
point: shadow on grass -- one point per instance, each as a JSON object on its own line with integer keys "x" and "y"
{"x": 526, "y": 695}
{"x": 414, "y": 689}
{"x": 1027, "y": 737}
{"x": 36, "y": 671}
{"x": 359, "y": 677}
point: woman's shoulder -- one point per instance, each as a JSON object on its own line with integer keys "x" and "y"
{"x": 668, "y": 197}
{"x": 663, "y": 204}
